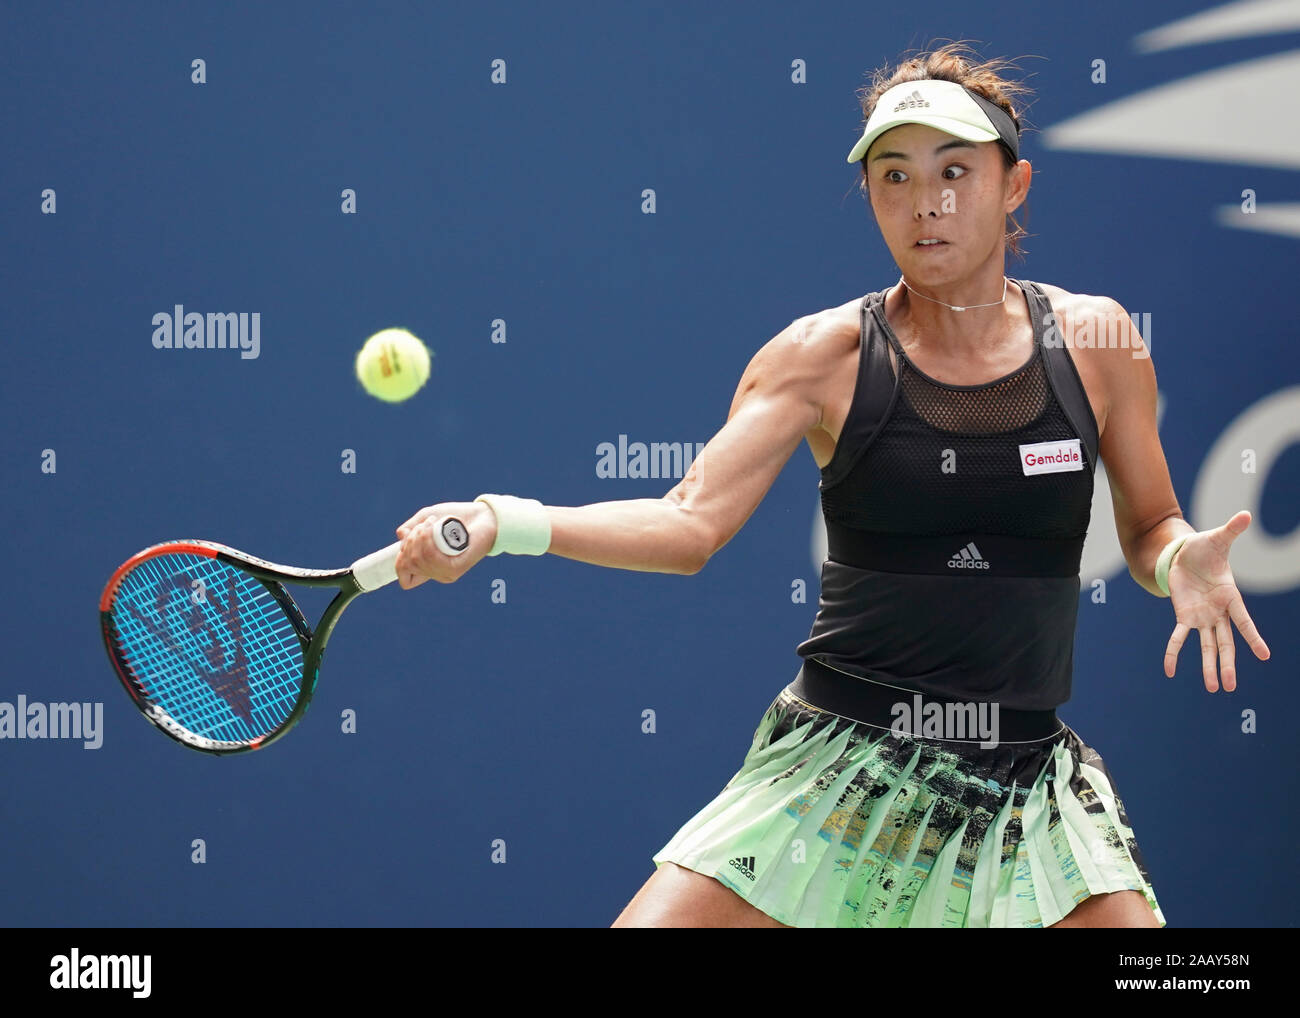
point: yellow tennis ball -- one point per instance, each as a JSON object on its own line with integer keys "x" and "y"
{"x": 393, "y": 365}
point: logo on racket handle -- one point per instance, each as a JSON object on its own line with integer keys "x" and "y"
{"x": 451, "y": 536}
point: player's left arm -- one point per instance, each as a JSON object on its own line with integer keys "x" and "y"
{"x": 1147, "y": 514}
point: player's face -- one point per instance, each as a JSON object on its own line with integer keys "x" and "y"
{"x": 925, "y": 183}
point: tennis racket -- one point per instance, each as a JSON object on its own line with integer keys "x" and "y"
{"x": 211, "y": 647}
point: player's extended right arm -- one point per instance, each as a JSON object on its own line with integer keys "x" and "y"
{"x": 776, "y": 403}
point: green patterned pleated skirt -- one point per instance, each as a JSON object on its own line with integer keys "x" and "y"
{"x": 832, "y": 822}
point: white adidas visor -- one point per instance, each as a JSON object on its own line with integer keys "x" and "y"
{"x": 944, "y": 105}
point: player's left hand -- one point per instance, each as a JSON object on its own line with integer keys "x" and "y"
{"x": 1206, "y": 598}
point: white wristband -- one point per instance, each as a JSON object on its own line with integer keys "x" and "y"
{"x": 1166, "y": 559}
{"x": 523, "y": 526}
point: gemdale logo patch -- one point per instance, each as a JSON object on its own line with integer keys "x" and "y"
{"x": 1050, "y": 457}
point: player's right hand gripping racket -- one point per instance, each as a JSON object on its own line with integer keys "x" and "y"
{"x": 211, "y": 646}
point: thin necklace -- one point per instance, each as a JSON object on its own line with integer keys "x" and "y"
{"x": 968, "y": 307}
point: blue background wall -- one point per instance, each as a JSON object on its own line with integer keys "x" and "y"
{"x": 522, "y": 201}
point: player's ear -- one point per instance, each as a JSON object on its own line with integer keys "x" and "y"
{"x": 1018, "y": 178}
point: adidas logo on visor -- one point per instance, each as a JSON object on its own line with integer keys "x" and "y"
{"x": 912, "y": 102}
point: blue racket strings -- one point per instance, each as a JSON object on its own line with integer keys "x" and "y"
{"x": 209, "y": 645}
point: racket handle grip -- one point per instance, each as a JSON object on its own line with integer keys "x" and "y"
{"x": 379, "y": 568}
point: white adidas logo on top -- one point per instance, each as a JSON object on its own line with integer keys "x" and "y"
{"x": 968, "y": 557}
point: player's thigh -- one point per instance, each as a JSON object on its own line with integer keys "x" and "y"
{"x": 675, "y": 896}
{"x": 1117, "y": 909}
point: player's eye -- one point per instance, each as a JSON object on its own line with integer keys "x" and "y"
{"x": 889, "y": 174}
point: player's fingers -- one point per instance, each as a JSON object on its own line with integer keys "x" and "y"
{"x": 405, "y": 578}
{"x": 427, "y": 558}
{"x": 1239, "y": 615}
{"x": 1209, "y": 659}
{"x": 411, "y": 560}
{"x": 1175, "y": 644}
{"x": 416, "y": 520}
{"x": 408, "y": 581}
{"x": 1227, "y": 654}
{"x": 405, "y": 529}
{"x": 407, "y": 575}
{"x": 1236, "y": 525}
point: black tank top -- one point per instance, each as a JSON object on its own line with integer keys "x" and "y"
{"x": 955, "y": 519}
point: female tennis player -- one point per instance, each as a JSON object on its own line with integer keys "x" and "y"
{"x": 957, "y": 429}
